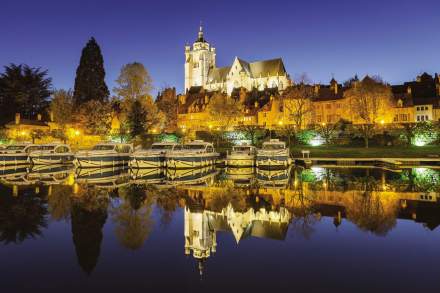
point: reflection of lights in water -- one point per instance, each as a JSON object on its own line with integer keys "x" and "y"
{"x": 318, "y": 172}
{"x": 421, "y": 171}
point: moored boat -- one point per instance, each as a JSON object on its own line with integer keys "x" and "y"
{"x": 108, "y": 177}
{"x": 54, "y": 153}
{"x": 273, "y": 153}
{"x": 241, "y": 156}
{"x": 153, "y": 157}
{"x": 16, "y": 154}
{"x": 195, "y": 154}
{"x": 104, "y": 155}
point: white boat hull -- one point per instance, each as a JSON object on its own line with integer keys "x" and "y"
{"x": 101, "y": 161}
{"x": 191, "y": 161}
{"x": 147, "y": 161}
{"x": 51, "y": 159}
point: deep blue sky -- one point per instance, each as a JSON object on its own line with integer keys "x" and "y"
{"x": 396, "y": 39}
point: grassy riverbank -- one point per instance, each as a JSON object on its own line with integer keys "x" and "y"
{"x": 372, "y": 152}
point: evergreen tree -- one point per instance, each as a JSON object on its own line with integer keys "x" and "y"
{"x": 23, "y": 90}
{"x": 90, "y": 74}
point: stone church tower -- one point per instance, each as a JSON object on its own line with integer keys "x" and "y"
{"x": 198, "y": 61}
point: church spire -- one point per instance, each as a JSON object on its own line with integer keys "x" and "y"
{"x": 200, "y": 37}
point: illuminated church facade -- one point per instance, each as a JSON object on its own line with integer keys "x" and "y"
{"x": 201, "y": 71}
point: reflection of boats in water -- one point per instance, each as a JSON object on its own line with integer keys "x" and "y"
{"x": 192, "y": 155}
{"x": 110, "y": 177}
{"x": 54, "y": 153}
{"x": 274, "y": 153}
{"x": 241, "y": 155}
{"x": 191, "y": 176}
{"x": 48, "y": 175}
{"x": 104, "y": 155}
{"x": 153, "y": 157}
{"x": 241, "y": 177}
{"x": 13, "y": 173}
{"x": 16, "y": 154}
{"x": 273, "y": 178}
{"x": 148, "y": 175}
{"x": 13, "y": 170}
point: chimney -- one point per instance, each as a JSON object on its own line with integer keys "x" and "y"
{"x": 39, "y": 117}
{"x": 17, "y": 118}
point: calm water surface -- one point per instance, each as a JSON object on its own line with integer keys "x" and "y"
{"x": 219, "y": 230}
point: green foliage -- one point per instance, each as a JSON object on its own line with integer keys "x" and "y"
{"x": 90, "y": 76}
{"x": 24, "y": 90}
{"x": 305, "y": 136}
{"x": 424, "y": 133}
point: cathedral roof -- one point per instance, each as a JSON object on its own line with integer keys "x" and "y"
{"x": 256, "y": 69}
{"x": 218, "y": 74}
{"x": 267, "y": 67}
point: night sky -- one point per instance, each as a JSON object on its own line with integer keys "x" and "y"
{"x": 396, "y": 39}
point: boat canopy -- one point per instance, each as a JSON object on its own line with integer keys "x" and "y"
{"x": 274, "y": 144}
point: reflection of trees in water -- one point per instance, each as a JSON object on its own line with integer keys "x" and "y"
{"x": 21, "y": 217}
{"x": 421, "y": 179}
{"x": 167, "y": 200}
{"x": 59, "y": 202}
{"x": 370, "y": 213}
{"x": 304, "y": 214}
{"x": 88, "y": 214}
{"x": 133, "y": 217}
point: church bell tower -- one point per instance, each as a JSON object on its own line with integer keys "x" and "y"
{"x": 198, "y": 61}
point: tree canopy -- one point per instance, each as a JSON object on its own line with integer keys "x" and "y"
{"x": 90, "y": 75}
{"x": 24, "y": 90}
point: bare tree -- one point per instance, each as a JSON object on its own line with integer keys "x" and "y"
{"x": 297, "y": 102}
{"x": 253, "y": 132}
{"x": 369, "y": 100}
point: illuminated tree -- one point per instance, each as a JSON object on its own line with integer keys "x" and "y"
{"x": 95, "y": 117}
{"x": 61, "y": 109}
{"x": 223, "y": 110}
{"x": 369, "y": 99}
{"x": 167, "y": 103}
{"x": 90, "y": 76}
{"x": 252, "y": 132}
{"x": 297, "y": 103}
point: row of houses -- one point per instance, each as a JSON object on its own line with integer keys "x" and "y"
{"x": 412, "y": 102}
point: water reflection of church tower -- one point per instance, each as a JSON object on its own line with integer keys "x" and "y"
{"x": 200, "y": 237}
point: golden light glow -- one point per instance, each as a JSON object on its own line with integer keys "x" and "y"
{"x": 323, "y": 124}
{"x": 382, "y": 122}
{"x": 280, "y": 122}
{"x": 77, "y": 132}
